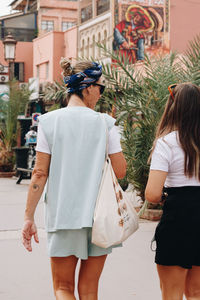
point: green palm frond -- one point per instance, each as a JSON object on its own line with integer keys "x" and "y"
{"x": 191, "y": 61}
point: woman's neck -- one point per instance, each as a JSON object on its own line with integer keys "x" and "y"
{"x": 76, "y": 101}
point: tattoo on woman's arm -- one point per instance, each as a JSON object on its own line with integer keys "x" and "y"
{"x": 35, "y": 187}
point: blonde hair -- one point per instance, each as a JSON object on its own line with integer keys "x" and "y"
{"x": 68, "y": 70}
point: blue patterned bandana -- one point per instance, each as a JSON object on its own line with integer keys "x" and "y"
{"x": 82, "y": 80}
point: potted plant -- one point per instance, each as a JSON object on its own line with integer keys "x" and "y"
{"x": 8, "y": 126}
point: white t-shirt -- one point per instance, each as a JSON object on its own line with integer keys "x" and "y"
{"x": 168, "y": 156}
{"x": 114, "y": 145}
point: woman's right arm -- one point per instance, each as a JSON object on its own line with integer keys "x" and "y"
{"x": 115, "y": 153}
{"x": 38, "y": 181}
{"x": 119, "y": 164}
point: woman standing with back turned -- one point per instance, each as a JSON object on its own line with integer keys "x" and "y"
{"x": 175, "y": 164}
{"x": 70, "y": 154}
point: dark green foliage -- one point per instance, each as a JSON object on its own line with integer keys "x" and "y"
{"x": 56, "y": 93}
{"x": 191, "y": 61}
{"x": 139, "y": 96}
{"x": 8, "y": 123}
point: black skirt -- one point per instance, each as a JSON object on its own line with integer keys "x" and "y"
{"x": 177, "y": 235}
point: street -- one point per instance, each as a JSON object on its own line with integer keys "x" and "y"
{"x": 129, "y": 273}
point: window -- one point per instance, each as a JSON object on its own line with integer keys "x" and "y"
{"x": 47, "y": 70}
{"x": 86, "y": 13}
{"x": 82, "y": 48}
{"x": 105, "y": 38}
{"x": 17, "y": 71}
{"x": 102, "y": 6}
{"x": 67, "y": 25}
{"x": 93, "y": 46}
{"x": 88, "y": 47}
{"x": 99, "y": 41}
{"x": 47, "y": 25}
{"x": 38, "y": 71}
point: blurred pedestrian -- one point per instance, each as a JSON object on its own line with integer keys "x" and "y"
{"x": 70, "y": 154}
{"x": 175, "y": 164}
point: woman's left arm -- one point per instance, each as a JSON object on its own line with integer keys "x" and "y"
{"x": 36, "y": 187}
{"x": 156, "y": 180}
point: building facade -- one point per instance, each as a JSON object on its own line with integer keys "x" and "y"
{"x": 46, "y": 30}
{"x": 94, "y": 26}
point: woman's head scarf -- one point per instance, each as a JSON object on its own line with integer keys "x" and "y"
{"x": 82, "y": 80}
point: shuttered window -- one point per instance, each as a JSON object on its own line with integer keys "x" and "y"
{"x": 17, "y": 71}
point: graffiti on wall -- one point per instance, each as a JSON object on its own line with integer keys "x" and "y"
{"x": 141, "y": 27}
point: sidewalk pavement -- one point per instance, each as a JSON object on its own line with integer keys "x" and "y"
{"x": 129, "y": 273}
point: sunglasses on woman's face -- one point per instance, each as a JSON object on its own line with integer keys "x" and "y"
{"x": 171, "y": 88}
{"x": 102, "y": 87}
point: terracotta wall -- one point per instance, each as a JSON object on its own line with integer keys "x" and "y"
{"x": 184, "y": 23}
{"x": 70, "y": 43}
{"x": 58, "y": 52}
{"x": 48, "y": 49}
{"x": 24, "y": 53}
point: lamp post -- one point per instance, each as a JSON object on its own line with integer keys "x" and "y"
{"x": 9, "y": 48}
{"x": 9, "y": 52}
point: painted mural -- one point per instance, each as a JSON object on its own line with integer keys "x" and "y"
{"x": 141, "y": 27}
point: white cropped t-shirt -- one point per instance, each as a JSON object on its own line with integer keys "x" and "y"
{"x": 168, "y": 156}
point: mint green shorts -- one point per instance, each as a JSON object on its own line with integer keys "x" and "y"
{"x": 76, "y": 242}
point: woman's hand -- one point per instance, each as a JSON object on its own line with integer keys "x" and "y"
{"x": 29, "y": 229}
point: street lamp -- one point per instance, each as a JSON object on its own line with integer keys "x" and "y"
{"x": 9, "y": 48}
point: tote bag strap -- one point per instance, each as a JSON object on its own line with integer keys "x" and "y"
{"x": 105, "y": 124}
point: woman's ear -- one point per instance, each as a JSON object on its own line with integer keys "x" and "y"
{"x": 88, "y": 89}
{"x": 85, "y": 92}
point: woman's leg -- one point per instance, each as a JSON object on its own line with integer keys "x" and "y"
{"x": 192, "y": 286}
{"x": 90, "y": 272}
{"x": 63, "y": 273}
{"x": 172, "y": 281}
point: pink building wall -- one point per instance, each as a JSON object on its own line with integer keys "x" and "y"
{"x": 70, "y": 43}
{"x": 184, "y": 23}
{"x": 57, "y": 11}
{"x": 24, "y": 53}
{"x": 43, "y": 55}
{"x": 48, "y": 50}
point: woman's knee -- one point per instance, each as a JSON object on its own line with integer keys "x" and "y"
{"x": 192, "y": 292}
{"x": 88, "y": 286}
{"x": 63, "y": 285}
{"x": 192, "y": 284}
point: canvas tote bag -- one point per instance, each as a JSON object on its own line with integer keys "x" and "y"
{"x": 115, "y": 217}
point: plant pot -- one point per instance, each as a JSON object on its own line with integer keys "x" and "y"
{"x": 6, "y": 167}
{"x": 7, "y": 174}
{"x": 152, "y": 214}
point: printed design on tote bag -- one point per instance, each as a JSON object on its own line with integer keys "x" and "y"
{"x": 122, "y": 208}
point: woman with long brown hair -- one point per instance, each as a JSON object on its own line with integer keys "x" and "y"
{"x": 175, "y": 165}
{"x": 71, "y": 150}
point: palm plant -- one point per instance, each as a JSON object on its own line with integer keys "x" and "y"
{"x": 139, "y": 97}
{"x": 8, "y": 124}
{"x": 191, "y": 61}
{"x": 55, "y": 93}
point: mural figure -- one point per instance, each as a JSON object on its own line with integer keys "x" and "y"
{"x": 129, "y": 33}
